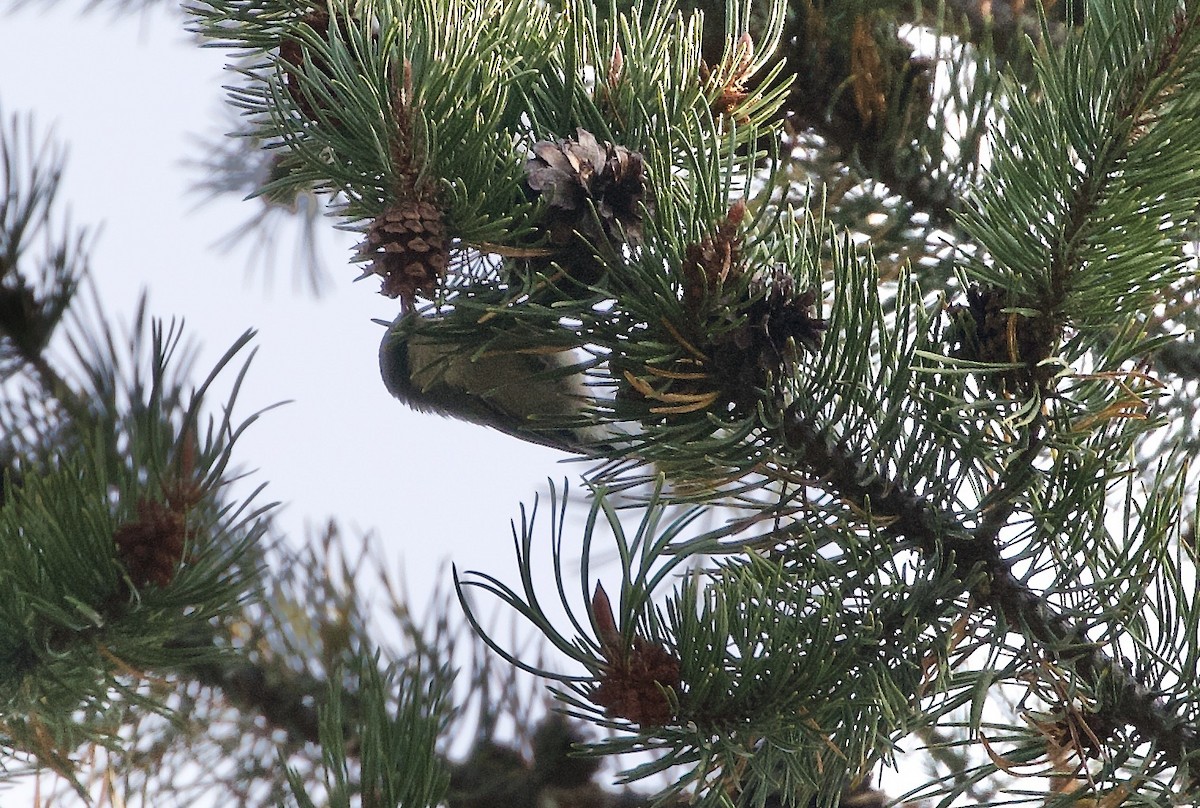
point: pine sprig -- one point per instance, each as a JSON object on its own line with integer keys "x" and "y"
{"x": 37, "y": 281}
{"x": 691, "y": 678}
{"x": 89, "y": 612}
{"x": 1075, "y": 155}
{"x": 354, "y": 63}
{"x": 402, "y": 711}
{"x": 342, "y": 73}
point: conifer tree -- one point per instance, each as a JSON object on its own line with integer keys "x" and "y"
{"x": 875, "y": 326}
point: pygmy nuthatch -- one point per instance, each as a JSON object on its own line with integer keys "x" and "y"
{"x": 528, "y": 395}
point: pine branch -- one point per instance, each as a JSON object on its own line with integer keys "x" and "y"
{"x": 1069, "y": 260}
{"x": 37, "y": 281}
{"x": 958, "y": 551}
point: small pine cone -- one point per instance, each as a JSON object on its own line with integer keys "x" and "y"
{"x": 752, "y": 356}
{"x": 632, "y": 685}
{"x": 151, "y": 546}
{"x": 25, "y": 321}
{"x": 293, "y": 56}
{"x": 980, "y": 333}
{"x": 709, "y": 264}
{"x": 570, "y": 174}
{"x": 406, "y": 245}
{"x": 783, "y": 314}
{"x": 757, "y": 332}
{"x": 1085, "y": 733}
{"x": 634, "y": 676}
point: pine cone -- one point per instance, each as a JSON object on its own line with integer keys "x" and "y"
{"x": 1085, "y": 733}
{"x": 25, "y": 321}
{"x": 632, "y": 686}
{"x": 980, "y": 332}
{"x": 407, "y": 248}
{"x": 727, "y": 82}
{"x": 293, "y": 56}
{"x": 756, "y": 353}
{"x": 577, "y": 177}
{"x": 151, "y": 547}
{"x": 632, "y": 683}
{"x": 758, "y": 328}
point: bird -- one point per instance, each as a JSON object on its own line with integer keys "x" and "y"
{"x": 538, "y": 397}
